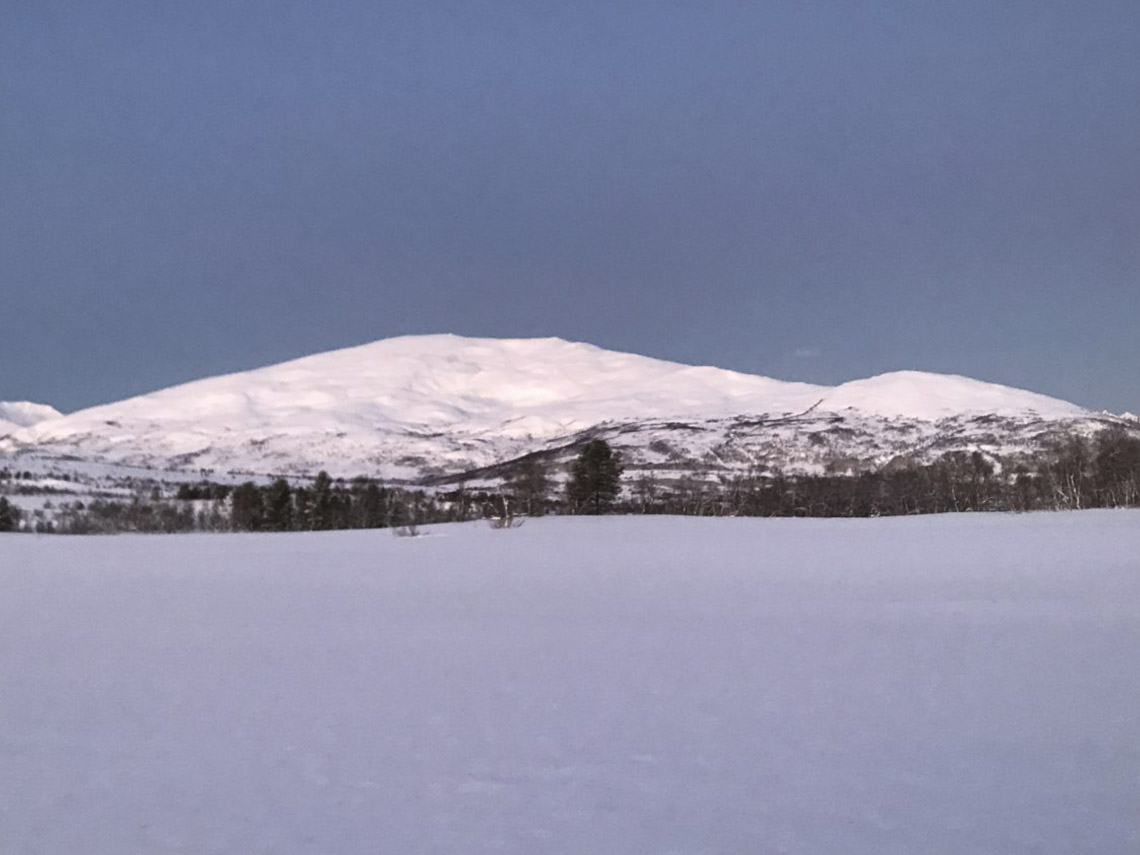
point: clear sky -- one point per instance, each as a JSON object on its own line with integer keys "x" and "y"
{"x": 810, "y": 190}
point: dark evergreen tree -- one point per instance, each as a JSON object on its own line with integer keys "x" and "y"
{"x": 302, "y": 510}
{"x": 595, "y": 479}
{"x": 340, "y": 510}
{"x": 1117, "y": 469}
{"x": 279, "y": 506}
{"x": 9, "y": 515}
{"x": 371, "y": 509}
{"x": 246, "y": 510}
{"x": 321, "y": 504}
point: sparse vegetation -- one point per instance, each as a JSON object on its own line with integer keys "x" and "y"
{"x": 1074, "y": 473}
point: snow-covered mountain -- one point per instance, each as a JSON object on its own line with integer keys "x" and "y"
{"x": 20, "y": 414}
{"x": 439, "y": 406}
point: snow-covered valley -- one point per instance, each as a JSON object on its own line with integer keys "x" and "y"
{"x": 611, "y": 685}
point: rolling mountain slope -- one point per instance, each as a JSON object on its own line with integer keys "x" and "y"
{"x": 15, "y": 415}
{"x": 439, "y": 406}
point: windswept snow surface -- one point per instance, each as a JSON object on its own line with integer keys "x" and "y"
{"x": 639, "y": 685}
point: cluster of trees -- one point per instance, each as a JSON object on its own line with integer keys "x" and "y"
{"x": 1078, "y": 474}
{"x": 327, "y": 504}
{"x": 248, "y": 507}
{"x": 7, "y": 474}
{"x": 593, "y": 488}
{"x": 1104, "y": 473}
{"x": 324, "y": 506}
{"x": 143, "y": 513}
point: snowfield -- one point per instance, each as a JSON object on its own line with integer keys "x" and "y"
{"x": 964, "y": 684}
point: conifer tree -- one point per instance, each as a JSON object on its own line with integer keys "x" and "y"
{"x": 279, "y": 506}
{"x": 302, "y": 510}
{"x": 9, "y": 515}
{"x": 321, "y": 508}
{"x": 595, "y": 479}
{"x": 246, "y": 510}
{"x": 371, "y": 507}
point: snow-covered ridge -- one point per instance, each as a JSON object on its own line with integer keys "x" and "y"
{"x": 533, "y": 386}
{"x": 20, "y": 414}
{"x": 929, "y": 397}
{"x": 402, "y": 407}
{"x": 537, "y": 387}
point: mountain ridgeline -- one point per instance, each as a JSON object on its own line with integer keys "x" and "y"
{"x": 442, "y": 407}
{"x": 444, "y": 413}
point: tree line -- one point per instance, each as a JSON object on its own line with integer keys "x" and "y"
{"x": 1076, "y": 475}
{"x": 326, "y": 504}
{"x": 1081, "y": 473}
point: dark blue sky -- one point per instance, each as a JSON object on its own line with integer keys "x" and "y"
{"x": 809, "y": 190}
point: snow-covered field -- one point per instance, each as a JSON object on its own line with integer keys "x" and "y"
{"x": 964, "y": 684}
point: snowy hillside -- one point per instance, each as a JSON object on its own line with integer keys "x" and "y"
{"x": 930, "y": 397}
{"x": 20, "y": 414}
{"x": 959, "y": 684}
{"x": 442, "y": 405}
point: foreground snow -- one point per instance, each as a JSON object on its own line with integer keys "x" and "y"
{"x": 938, "y": 685}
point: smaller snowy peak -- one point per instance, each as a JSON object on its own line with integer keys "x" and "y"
{"x": 930, "y": 397}
{"x": 21, "y": 414}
